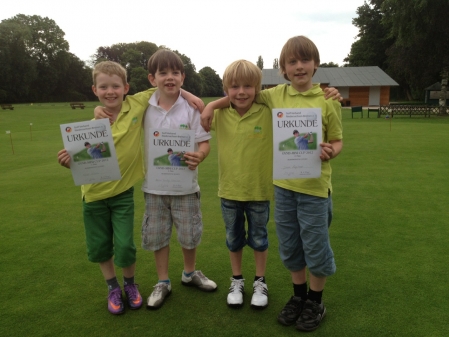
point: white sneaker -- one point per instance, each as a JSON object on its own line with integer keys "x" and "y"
{"x": 197, "y": 279}
{"x": 161, "y": 291}
{"x": 236, "y": 291}
{"x": 260, "y": 295}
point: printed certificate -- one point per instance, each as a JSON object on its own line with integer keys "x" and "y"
{"x": 92, "y": 151}
{"x": 166, "y": 164}
{"x": 297, "y": 134}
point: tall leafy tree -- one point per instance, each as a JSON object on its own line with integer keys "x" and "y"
{"x": 260, "y": 62}
{"x": 276, "y": 63}
{"x": 34, "y": 51}
{"x": 420, "y": 53}
{"x": 407, "y": 39}
{"x": 212, "y": 84}
{"x": 18, "y": 68}
{"x": 373, "y": 38}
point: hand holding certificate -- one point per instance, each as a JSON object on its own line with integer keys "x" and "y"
{"x": 297, "y": 134}
{"x": 92, "y": 152}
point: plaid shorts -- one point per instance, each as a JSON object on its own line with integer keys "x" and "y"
{"x": 164, "y": 211}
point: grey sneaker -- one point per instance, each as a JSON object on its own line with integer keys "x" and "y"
{"x": 290, "y": 313}
{"x": 161, "y": 291}
{"x": 260, "y": 295}
{"x": 311, "y": 316}
{"x": 197, "y": 279}
{"x": 236, "y": 291}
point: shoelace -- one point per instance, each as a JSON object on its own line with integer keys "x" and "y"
{"x": 158, "y": 288}
{"x": 115, "y": 297}
{"x": 259, "y": 287}
{"x": 236, "y": 286}
{"x": 131, "y": 290}
{"x": 200, "y": 275}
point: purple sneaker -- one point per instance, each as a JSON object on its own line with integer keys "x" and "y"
{"x": 133, "y": 296}
{"x": 115, "y": 302}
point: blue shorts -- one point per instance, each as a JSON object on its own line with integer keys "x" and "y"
{"x": 109, "y": 225}
{"x": 302, "y": 226}
{"x": 257, "y": 214}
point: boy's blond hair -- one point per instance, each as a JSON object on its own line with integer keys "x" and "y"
{"x": 242, "y": 72}
{"x": 109, "y": 68}
{"x": 299, "y": 47}
{"x": 165, "y": 59}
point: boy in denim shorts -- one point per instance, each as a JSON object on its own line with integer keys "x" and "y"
{"x": 168, "y": 110}
{"x": 244, "y": 138}
{"x": 303, "y": 210}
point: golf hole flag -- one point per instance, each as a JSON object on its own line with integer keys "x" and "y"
{"x": 297, "y": 134}
{"x": 92, "y": 153}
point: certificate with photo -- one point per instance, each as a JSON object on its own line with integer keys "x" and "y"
{"x": 297, "y": 134}
{"x": 92, "y": 151}
{"x": 166, "y": 164}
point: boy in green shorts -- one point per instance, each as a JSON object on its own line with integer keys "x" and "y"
{"x": 303, "y": 210}
{"x": 108, "y": 207}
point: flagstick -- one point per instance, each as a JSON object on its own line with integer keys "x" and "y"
{"x": 10, "y": 137}
{"x": 31, "y": 133}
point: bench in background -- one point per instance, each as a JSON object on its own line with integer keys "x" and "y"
{"x": 77, "y": 105}
{"x": 7, "y": 106}
{"x": 356, "y": 109}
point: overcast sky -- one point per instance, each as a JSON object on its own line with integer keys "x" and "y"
{"x": 211, "y": 33}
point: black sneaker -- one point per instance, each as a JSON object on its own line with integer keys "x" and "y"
{"x": 290, "y": 313}
{"x": 311, "y": 316}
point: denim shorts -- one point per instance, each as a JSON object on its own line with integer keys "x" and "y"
{"x": 164, "y": 211}
{"x": 109, "y": 225}
{"x": 302, "y": 226}
{"x": 257, "y": 214}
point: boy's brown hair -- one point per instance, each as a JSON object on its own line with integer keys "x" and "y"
{"x": 110, "y": 68}
{"x": 165, "y": 59}
{"x": 299, "y": 47}
{"x": 242, "y": 72}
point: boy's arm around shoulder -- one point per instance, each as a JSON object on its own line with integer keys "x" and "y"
{"x": 195, "y": 102}
{"x": 208, "y": 113}
{"x": 141, "y": 98}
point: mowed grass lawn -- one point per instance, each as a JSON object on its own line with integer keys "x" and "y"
{"x": 390, "y": 236}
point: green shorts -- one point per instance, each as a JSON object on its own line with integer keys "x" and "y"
{"x": 109, "y": 225}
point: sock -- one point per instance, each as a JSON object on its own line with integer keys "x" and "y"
{"x": 256, "y": 278}
{"x": 237, "y": 277}
{"x": 315, "y": 296}
{"x": 164, "y": 281}
{"x": 188, "y": 274}
{"x": 112, "y": 284}
{"x": 128, "y": 280}
{"x": 300, "y": 290}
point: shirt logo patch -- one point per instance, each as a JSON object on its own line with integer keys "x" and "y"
{"x": 183, "y": 126}
{"x": 134, "y": 121}
{"x": 257, "y": 129}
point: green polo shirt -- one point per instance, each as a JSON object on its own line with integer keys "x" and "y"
{"x": 127, "y": 135}
{"x": 245, "y": 153}
{"x": 285, "y": 96}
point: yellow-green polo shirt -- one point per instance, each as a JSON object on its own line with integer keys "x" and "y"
{"x": 285, "y": 96}
{"x": 127, "y": 135}
{"x": 245, "y": 153}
